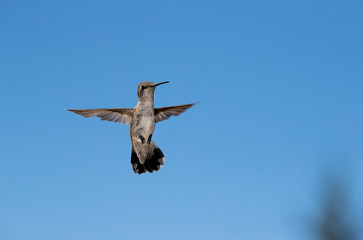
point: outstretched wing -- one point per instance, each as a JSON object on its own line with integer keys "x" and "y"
{"x": 165, "y": 112}
{"x": 119, "y": 115}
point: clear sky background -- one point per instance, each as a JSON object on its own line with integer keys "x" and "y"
{"x": 280, "y": 89}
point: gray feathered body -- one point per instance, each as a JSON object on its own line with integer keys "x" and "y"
{"x": 141, "y": 129}
{"x": 145, "y": 155}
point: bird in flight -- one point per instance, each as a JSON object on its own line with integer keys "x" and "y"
{"x": 145, "y": 154}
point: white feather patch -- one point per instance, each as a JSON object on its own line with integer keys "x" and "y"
{"x": 161, "y": 161}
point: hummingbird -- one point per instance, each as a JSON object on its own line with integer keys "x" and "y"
{"x": 145, "y": 154}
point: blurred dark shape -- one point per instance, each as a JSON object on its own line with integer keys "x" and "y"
{"x": 334, "y": 223}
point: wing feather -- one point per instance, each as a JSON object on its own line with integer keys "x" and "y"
{"x": 165, "y": 112}
{"x": 119, "y": 115}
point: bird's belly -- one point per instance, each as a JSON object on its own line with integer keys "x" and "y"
{"x": 147, "y": 124}
{"x": 144, "y": 127}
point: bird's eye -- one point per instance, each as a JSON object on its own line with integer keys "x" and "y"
{"x": 143, "y": 87}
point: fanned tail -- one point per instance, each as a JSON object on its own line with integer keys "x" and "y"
{"x": 154, "y": 160}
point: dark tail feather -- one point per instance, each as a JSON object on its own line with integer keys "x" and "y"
{"x": 136, "y": 165}
{"x": 154, "y": 161}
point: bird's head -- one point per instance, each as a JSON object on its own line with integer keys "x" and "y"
{"x": 145, "y": 90}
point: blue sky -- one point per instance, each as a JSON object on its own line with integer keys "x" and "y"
{"x": 280, "y": 89}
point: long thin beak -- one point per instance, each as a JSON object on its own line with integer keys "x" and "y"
{"x": 160, "y": 83}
